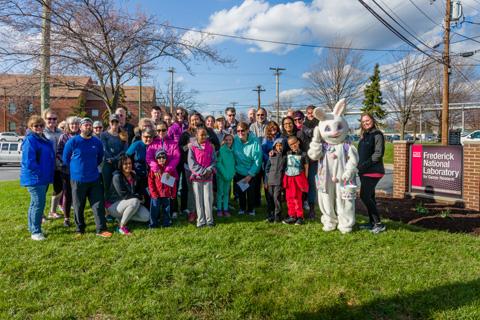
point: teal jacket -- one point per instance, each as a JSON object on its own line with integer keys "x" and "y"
{"x": 248, "y": 156}
{"x": 226, "y": 163}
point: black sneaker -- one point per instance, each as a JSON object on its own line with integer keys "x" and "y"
{"x": 365, "y": 226}
{"x": 299, "y": 222}
{"x": 377, "y": 228}
{"x": 289, "y": 220}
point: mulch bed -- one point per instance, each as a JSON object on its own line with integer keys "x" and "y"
{"x": 427, "y": 214}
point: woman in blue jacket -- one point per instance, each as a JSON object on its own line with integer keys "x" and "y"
{"x": 36, "y": 172}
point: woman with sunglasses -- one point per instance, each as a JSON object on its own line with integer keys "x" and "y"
{"x": 36, "y": 172}
{"x": 163, "y": 142}
{"x": 248, "y": 162}
{"x": 53, "y": 134}
{"x": 179, "y": 126}
{"x": 72, "y": 129}
{"x": 138, "y": 152}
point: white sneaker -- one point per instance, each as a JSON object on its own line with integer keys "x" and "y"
{"x": 306, "y": 206}
{"x": 240, "y": 212}
{"x": 174, "y": 215}
{"x": 252, "y": 213}
{"x": 38, "y": 237}
{"x": 186, "y": 212}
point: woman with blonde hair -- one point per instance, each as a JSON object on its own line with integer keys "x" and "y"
{"x": 72, "y": 128}
{"x": 36, "y": 172}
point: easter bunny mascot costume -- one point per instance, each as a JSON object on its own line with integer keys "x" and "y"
{"x": 337, "y": 164}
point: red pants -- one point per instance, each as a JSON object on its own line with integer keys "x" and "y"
{"x": 294, "y": 189}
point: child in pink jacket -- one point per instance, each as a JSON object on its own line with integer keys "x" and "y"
{"x": 201, "y": 162}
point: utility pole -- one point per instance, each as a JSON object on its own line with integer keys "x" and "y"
{"x": 140, "y": 92}
{"x": 172, "y": 71}
{"x": 446, "y": 74}
{"x": 45, "y": 57}
{"x": 277, "y": 80}
{"x": 259, "y": 89}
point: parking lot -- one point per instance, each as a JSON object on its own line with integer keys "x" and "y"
{"x": 9, "y": 172}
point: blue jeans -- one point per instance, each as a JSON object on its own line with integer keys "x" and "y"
{"x": 38, "y": 195}
{"x": 155, "y": 206}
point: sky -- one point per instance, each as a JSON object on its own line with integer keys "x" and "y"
{"x": 316, "y": 22}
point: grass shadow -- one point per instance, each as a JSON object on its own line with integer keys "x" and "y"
{"x": 417, "y": 305}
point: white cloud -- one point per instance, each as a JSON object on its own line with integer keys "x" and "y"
{"x": 322, "y": 21}
{"x": 291, "y": 94}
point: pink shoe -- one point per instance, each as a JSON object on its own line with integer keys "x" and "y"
{"x": 220, "y": 213}
{"x": 226, "y": 213}
{"x": 123, "y": 230}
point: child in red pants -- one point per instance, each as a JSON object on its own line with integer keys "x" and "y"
{"x": 295, "y": 181}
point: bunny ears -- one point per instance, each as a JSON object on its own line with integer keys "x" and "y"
{"x": 338, "y": 111}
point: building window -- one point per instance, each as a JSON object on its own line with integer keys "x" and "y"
{"x": 12, "y": 108}
{"x": 94, "y": 112}
{"x": 12, "y": 126}
{"x": 30, "y": 108}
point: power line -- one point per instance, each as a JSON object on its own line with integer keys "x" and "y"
{"x": 396, "y": 32}
{"x": 282, "y": 42}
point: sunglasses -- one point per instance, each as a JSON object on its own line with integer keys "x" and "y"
{"x": 260, "y": 115}
{"x": 161, "y": 130}
{"x": 97, "y": 127}
{"x": 231, "y": 115}
{"x": 52, "y": 119}
{"x": 162, "y": 157}
{"x": 38, "y": 125}
{"x": 179, "y": 113}
{"x": 298, "y": 119}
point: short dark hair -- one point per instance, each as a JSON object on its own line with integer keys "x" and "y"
{"x": 232, "y": 109}
{"x": 156, "y": 108}
{"x": 311, "y": 106}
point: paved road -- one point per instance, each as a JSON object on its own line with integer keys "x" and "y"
{"x": 386, "y": 183}
{"x": 9, "y": 172}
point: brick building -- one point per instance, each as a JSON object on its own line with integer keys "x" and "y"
{"x": 20, "y": 98}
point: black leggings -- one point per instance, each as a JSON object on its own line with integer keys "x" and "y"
{"x": 367, "y": 194}
{"x": 246, "y": 198}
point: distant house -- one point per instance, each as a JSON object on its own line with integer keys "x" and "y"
{"x": 20, "y": 98}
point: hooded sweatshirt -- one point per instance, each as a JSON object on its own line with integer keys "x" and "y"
{"x": 248, "y": 155}
{"x": 226, "y": 163}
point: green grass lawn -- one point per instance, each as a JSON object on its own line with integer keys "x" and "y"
{"x": 388, "y": 156}
{"x": 242, "y": 269}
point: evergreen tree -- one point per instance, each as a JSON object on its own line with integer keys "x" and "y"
{"x": 373, "y": 101}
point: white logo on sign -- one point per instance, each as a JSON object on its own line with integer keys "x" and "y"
{"x": 417, "y": 154}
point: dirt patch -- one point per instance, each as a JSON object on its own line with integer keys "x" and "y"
{"x": 427, "y": 214}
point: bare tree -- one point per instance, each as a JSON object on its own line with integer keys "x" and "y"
{"x": 336, "y": 76}
{"x": 460, "y": 90}
{"x": 181, "y": 96}
{"x": 98, "y": 38}
{"x": 404, "y": 94}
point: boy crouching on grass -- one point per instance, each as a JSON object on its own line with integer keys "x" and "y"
{"x": 295, "y": 181}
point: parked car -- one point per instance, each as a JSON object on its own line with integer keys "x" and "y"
{"x": 10, "y": 152}
{"x": 475, "y": 135}
{"x": 10, "y": 136}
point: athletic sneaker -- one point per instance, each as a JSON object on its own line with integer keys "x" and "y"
{"x": 210, "y": 225}
{"x": 104, "y": 234}
{"x": 174, "y": 215}
{"x": 241, "y": 212}
{"x": 226, "y": 213}
{"x": 123, "y": 230}
{"x": 38, "y": 237}
{"x": 54, "y": 215}
{"x": 192, "y": 216}
{"x": 377, "y": 228}
{"x": 186, "y": 212}
{"x": 299, "y": 222}
{"x": 289, "y": 220}
{"x": 220, "y": 213}
{"x": 251, "y": 213}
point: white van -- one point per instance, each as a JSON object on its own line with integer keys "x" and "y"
{"x": 10, "y": 152}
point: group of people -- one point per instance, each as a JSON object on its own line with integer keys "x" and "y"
{"x": 180, "y": 164}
